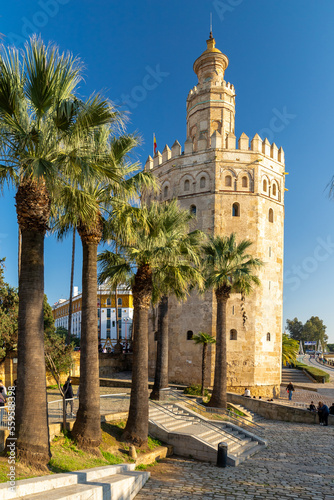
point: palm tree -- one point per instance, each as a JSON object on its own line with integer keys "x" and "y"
{"x": 43, "y": 131}
{"x": 148, "y": 240}
{"x": 290, "y": 349}
{"x": 228, "y": 270}
{"x": 84, "y": 205}
{"x": 204, "y": 339}
{"x": 176, "y": 278}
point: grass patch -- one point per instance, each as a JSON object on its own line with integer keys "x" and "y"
{"x": 196, "y": 390}
{"x": 144, "y": 466}
{"x": 66, "y": 456}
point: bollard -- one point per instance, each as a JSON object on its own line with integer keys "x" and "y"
{"x": 222, "y": 455}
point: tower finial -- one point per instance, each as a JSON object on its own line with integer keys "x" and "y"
{"x": 211, "y": 36}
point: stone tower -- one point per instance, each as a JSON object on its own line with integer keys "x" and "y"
{"x": 231, "y": 187}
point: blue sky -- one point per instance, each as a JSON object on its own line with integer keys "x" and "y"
{"x": 281, "y": 63}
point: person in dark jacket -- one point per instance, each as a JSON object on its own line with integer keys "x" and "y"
{"x": 323, "y": 412}
{"x": 68, "y": 392}
{"x": 331, "y": 409}
{"x": 290, "y": 389}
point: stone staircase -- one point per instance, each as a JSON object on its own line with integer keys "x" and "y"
{"x": 113, "y": 482}
{"x": 294, "y": 376}
{"x": 195, "y": 436}
{"x": 251, "y": 415}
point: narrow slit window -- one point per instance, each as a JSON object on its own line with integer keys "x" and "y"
{"x": 166, "y": 192}
{"x": 190, "y": 334}
{"x": 271, "y": 215}
{"x": 268, "y": 337}
{"x": 265, "y": 185}
{"x": 193, "y": 210}
{"x": 202, "y": 182}
{"x": 244, "y": 182}
{"x": 186, "y": 185}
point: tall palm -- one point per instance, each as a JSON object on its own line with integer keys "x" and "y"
{"x": 43, "y": 131}
{"x": 84, "y": 205}
{"x": 148, "y": 239}
{"x": 177, "y": 277}
{"x": 204, "y": 339}
{"x": 229, "y": 269}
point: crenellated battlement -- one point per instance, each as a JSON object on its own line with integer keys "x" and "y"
{"x": 200, "y": 87}
{"x": 256, "y": 144}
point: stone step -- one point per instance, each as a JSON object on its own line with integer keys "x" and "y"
{"x": 178, "y": 424}
{"x": 43, "y": 485}
{"x": 117, "y": 487}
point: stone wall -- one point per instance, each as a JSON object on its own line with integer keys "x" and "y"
{"x": 109, "y": 364}
{"x": 274, "y": 411}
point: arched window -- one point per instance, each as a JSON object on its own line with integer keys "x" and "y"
{"x": 108, "y": 301}
{"x": 244, "y": 182}
{"x": 193, "y": 209}
{"x": 265, "y": 185}
{"x": 228, "y": 181}
{"x": 233, "y": 335}
{"x": 271, "y": 215}
{"x": 186, "y": 185}
{"x": 119, "y": 302}
{"x": 165, "y": 191}
{"x": 274, "y": 189}
{"x": 190, "y": 334}
{"x": 268, "y": 337}
{"x": 236, "y": 210}
{"x": 202, "y": 182}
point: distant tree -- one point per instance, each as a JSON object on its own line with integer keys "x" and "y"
{"x": 8, "y": 315}
{"x": 72, "y": 339}
{"x": 314, "y": 329}
{"x": 290, "y": 349}
{"x": 330, "y": 347}
{"x": 204, "y": 339}
{"x": 295, "y": 329}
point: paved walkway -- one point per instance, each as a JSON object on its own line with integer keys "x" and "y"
{"x": 298, "y": 464}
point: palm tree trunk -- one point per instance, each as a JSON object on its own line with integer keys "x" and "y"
{"x": 32, "y": 429}
{"x": 87, "y": 427}
{"x": 204, "y": 360}
{"x": 69, "y": 330}
{"x": 219, "y": 396}
{"x": 136, "y": 429}
{"x": 161, "y": 366}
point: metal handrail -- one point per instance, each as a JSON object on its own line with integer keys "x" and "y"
{"x": 239, "y": 419}
{"x": 198, "y": 419}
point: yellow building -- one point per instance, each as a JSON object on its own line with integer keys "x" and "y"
{"x": 108, "y": 327}
{"x": 231, "y": 186}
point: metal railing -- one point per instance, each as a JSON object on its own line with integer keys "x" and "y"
{"x": 224, "y": 415}
{"x": 109, "y": 403}
{"x": 195, "y": 420}
{"x": 3, "y": 417}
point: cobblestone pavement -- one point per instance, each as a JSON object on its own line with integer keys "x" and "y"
{"x": 298, "y": 464}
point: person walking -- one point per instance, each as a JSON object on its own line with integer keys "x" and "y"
{"x": 2, "y": 403}
{"x": 247, "y": 393}
{"x": 68, "y": 393}
{"x": 290, "y": 389}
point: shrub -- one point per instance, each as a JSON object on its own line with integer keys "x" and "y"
{"x": 316, "y": 373}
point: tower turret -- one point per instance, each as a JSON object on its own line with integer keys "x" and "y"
{"x": 211, "y": 103}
